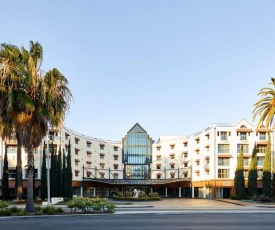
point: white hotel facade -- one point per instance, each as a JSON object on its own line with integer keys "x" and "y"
{"x": 199, "y": 165}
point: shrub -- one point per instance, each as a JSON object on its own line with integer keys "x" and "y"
{"x": 21, "y": 212}
{"x": 110, "y": 207}
{"x": 234, "y": 197}
{"x": 119, "y": 194}
{"x": 3, "y": 205}
{"x": 49, "y": 210}
{"x": 14, "y": 209}
{"x": 5, "y": 212}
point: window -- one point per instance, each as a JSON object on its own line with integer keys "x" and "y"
{"x": 261, "y": 149}
{"x": 101, "y": 176}
{"x": 260, "y": 161}
{"x": 243, "y": 136}
{"x": 101, "y": 147}
{"x": 158, "y": 148}
{"x": 158, "y": 158}
{"x": 172, "y": 146}
{"x": 115, "y": 157}
{"x": 76, "y": 140}
{"x": 76, "y": 151}
{"x": 115, "y": 148}
{"x": 89, "y": 164}
{"x": 12, "y": 174}
{"x": 223, "y": 173}
{"x": 223, "y": 136}
{"x": 185, "y": 144}
{"x": 172, "y": 156}
{"x": 172, "y": 175}
{"x": 185, "y": 165}
{"x": 185, "y": 154}
{"x": 88, "y": 174}
{"x": 198, "y": 162}
{"x": 115, "y": 176}
{"x": 197, "y": 140}
{"x": 89, "y": 144}
{"x": 223, "y": 148}
{"x": 245, "y": 148}
{"x": 76, "y": 163}
{"x": 11, "y": 149}
{"x": 158, "y": 166}
{"x": 89, "y": 154}
{"x": 245, "y": 161}
{"x": 66, "y": 136}
{"x": 222, "y": 161}
{"x": 158, "y": 176}
{"x": 262, "y": 136}
{"x": 245, "y": 173}
{"x": 35, "y": 173}
{"x": 198, "y": 173}
{"x": 101, "y": 166}
{"x": 172, "y": 166}
{"x": 101, "y": 155}
{"x": 115, "y": 166}
{"x": 185, "y": 174}
{"x": 260, "y": 173}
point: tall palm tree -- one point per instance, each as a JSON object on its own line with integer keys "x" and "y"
{"x": 265, "y": 107}
{"x": 44, "y": 101}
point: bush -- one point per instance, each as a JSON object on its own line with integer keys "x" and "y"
{"x": 21, "y": 212}
{"x": 6, "y": 212}
{"x": 86, "y": 204}
{"x": 119, "y": 194}
{"x": 14, "y": 209}
{"x": 262, "y": 198}
{"x": 3, "y": 205}
{"x": 49, "y": 210}
{"x": 234, "y": 197}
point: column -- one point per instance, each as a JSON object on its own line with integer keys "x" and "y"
{"x": 94, "y": 191}
{"x": 179, "y": 191}
{"x": 193, "y": 192}
{"x": 165, "y": 191}
{"x": 204, "y": 192}
{"x": 81, "y": 191}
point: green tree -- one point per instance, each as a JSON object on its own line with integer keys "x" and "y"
{"x": 267, "y": 169}
{"x": 5, "y": 178}
{"x": 252, "y": 174}
{"x": 19, "y": 179}
{"x": 64, "y": 175}
{"x": 69, "y": 175}
{"x": 30, "y": 100}
{"x": 59, "y": 173}
{"x": 43, "y": 186}
{"x": 239, "y": 181}
{"x": 53, "y": 174}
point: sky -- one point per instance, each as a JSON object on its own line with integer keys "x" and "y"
{"x": 175, "y": 67}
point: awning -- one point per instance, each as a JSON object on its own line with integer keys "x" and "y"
{"x": 172, "y": 163}
{"x": 76, "y": 160}
{"x": 158, "y": 174}
{"x": 247, "y": 155}
{"x": 102, "y": 163}
{"x": 115, "y": 174}
{"x": 207, "y": 146}
{"x": 115, "y": 164}
{"x": 244, "y": 130}
{"x": 197, "y": 160}
{"x": 102, "y": 173}
{"x": 172, "y": 173}
{"x": 115, "y": 155}
{"x": 261, "y": 143}
{"x": 102, "y": 154}
{"x": 158, "y": 155}
{"x": 77, "y": 138}
{"x": 89, "y": 152}
{"x": 207, "y": 157}
{"x": 225, "y": 155}
{"x": 158, "y": 164}
{"x": 197, "y": 149}
{"x": 172, "y": 144}
{"x": 88, "y": 162}
{"x": 172, "y": 154}
{"x": 101, "y": 144}
{"x": 197, "y": 138}
{"x": 76, "y": 149}
{"x": 185, "y": 142}
{"x": 77, "y": 171}
{"x": 197, "y": 171}
{"x": 207, "y": 134}
{"x": 89, "y": 142}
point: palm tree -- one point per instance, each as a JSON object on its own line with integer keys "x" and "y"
{"x": 265, "y": 107}
{"x": 44, "y": 99}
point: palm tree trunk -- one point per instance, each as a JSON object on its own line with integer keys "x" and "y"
{"x": 19, "y": 182}
{"x": 30, "y": 204}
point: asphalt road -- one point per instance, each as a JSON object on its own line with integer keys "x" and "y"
{"x": 158, "y": 221}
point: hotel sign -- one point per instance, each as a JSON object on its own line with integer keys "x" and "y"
{"x": 227, "y": 183}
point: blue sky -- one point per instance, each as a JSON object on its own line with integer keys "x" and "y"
{"x": 175, "y": 67}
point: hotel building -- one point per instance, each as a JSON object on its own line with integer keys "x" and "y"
{"x": 199, "y": 165}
